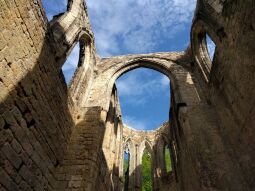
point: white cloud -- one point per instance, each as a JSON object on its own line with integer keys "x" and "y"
{"x": 165, "y": 81}
{"x": 140, "y": 91}
{"x": 134, "y": 123}
{"x": 129, "y": 26}
{"x": 135, "y": 88}
{"x": 137, "y": 26}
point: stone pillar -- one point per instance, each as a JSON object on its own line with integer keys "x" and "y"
{"x": 132, "y": 166}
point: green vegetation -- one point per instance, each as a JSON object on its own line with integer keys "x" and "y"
{"x": 146, "y": 168}
{"x": 168, "y": 160}
{"x": 125, "y": 177}
{"x": 125, "y": 166}
{"x": 146, "y": 172}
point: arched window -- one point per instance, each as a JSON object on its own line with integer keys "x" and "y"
{"x": 146, "y": 171}
{"x": 210, "y": 47}
{"x": 144, "y": 98}
{"x": 204, "y": 49}
{"x": 126, "y": 169}
{"x": 80, "y": 56}
{"x": 71, "y": 63}
{"x": 168, "y": 162}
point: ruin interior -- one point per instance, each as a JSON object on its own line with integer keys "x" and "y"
{"x": 59, "y": 137}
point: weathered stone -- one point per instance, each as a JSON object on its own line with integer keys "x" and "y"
{"x": 2, "y": 123}
{"x": 8, "y": 151}
{"x": 57, "y": 138}
{"x": 24, "y": 186}
{"x": 28, "y": 176}
{"x": 16, "y": 146}
{"x": 6, "y": 181}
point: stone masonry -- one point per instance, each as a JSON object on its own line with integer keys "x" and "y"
{"x": 135, "y": 142}
{"x": 59, "y": 137}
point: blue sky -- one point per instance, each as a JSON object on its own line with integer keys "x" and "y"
{"x": 145, "y": 98}
{"x": 133, "y": 27}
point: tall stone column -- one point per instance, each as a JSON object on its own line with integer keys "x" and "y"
{"x": 132, "y": 166}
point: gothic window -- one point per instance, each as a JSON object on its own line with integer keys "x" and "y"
{"x": 80, "y": 56}
{"x": 71, "y": 64}
{"x": 146, "y": 171}
{"x": 126, "y": 169}
{"x": 144, "y": 98}
{"x": 210, "y": 47}
{"x": 204, "y": 50}
{"x": 168, "y": 162}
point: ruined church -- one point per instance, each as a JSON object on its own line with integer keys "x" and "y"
{"x": 56, "y": 137}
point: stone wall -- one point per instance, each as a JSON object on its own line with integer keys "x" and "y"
{"x": 35, "y": 117}
{"x": 37, "y": 112}
{"x": 54, "y": 137}
{"x": 135, "y": 142}
{"x": 231, "y": 79}
{"x": 196, "y": 133}
{"x": 93, "y": 157}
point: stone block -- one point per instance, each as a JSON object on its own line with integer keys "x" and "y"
{"x": 12, "y": 171}
{"x": 16, "y": 146}
{"x": 24, "y": 186}
{"x": 28, "y": 176}
{"x": 13, "y": 157}
{"x": 2, "y": 123}
{"x": 6, "y": 181}
{"x": 9, "y": 118}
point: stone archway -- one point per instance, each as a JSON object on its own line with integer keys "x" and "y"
{"x": 56, "y": 143}
{"x": 190, "y": 113}
{"x": 168, "y": 64}
{"x": 186, "y": 97}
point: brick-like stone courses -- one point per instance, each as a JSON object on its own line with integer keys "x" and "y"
{"x": 196, "y": 119}
{"x": 80, "y": 165}
{"x": 109, "y": 69}
{"x": 231, "y": 87}
{"x": 154, "y": 141}
{"x": 35, "y": 122}
{"x": 89, "y": 163}
{"x": 55, "y": 138}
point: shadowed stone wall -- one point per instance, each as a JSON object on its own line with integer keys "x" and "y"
{"x": 229, "y": 88}
{"x": 54, "y": 137}
{"x": 36, "y": 110}
{"x": 35, "y": 117}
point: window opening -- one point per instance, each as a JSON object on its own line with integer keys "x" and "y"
{"x": 168, "y": 162}
{"x": 126, "y": 169}
{"x": 144, "y": 98}
{"x": 210, "y": 47}
{"x": 70, "y": 66}
{"x": 146, "y": 171}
